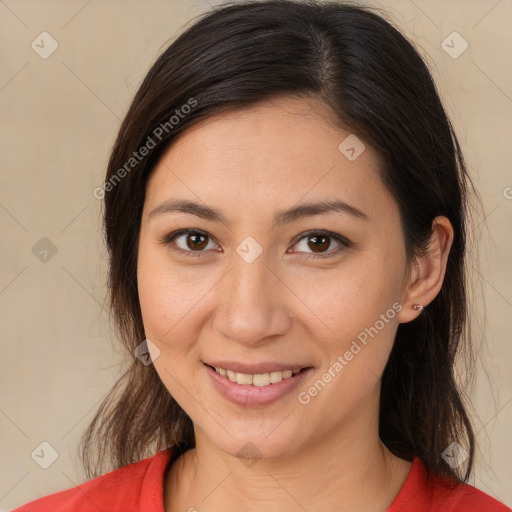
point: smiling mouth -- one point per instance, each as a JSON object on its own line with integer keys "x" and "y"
{"x": 257, "y": 379}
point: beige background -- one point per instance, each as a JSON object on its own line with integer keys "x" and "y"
{"x": 59, "y": 117}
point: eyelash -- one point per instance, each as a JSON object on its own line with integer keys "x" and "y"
{"x": 196, "y": 254}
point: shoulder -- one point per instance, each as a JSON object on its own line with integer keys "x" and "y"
{"x": 441, "y": 495}
{"x": 474, "y": 499}
{"x": 132, "y": 488}
{"x": 469, "y": 498}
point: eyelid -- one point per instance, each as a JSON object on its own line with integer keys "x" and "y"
{"x": 305, "y": 234}
{"x": 343, "y": 242}
{"x": 168, "y": 239}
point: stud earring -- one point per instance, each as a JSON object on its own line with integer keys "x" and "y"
{"x": 417, "y": 307}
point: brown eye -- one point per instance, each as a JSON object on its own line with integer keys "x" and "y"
{"x": 196, "y": 242}
{"x": 188, "y": 241}
{"x": 313, "y": 244}
{"x": 319, "y": 243}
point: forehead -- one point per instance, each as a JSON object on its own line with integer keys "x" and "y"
{"x": 278, "y": 151}
{"x": 290, "y": 128}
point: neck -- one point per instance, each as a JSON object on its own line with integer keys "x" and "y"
{"x": 346, "y": 470}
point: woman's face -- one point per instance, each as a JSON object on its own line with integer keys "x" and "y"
{"x": 260, "y": 292}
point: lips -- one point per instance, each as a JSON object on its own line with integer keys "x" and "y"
{"x": 256, "y": 368}
{"x": 257, "y": 393}
{"x": 257, "y": 379}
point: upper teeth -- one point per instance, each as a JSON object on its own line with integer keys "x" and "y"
{"x": 258, "y": 379}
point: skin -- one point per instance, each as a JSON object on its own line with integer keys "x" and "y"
{"x": 325, "y": 455}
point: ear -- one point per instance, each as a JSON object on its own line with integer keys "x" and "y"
{"x": 426, "y": 278}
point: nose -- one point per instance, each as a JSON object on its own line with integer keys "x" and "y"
{"x": 253, "y": 303}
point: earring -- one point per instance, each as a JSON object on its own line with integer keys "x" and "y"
{"x": 417, "y": 307}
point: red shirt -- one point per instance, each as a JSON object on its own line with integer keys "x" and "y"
{"x": 139, "y": 488}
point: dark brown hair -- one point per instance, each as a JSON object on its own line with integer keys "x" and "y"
{"x": 375, "y": 82}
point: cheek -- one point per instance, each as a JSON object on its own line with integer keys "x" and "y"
{"x": 348, "y": 300}
{"x": 166, "y": 297}
{"x": 363, "y": 320}
{"x": 167, "y": 301}
{"x": 357, "y": 310}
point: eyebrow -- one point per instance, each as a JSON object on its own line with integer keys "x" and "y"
{"x": 281, "y": 217}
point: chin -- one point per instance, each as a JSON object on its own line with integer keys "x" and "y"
{"x": 259, "y": 444}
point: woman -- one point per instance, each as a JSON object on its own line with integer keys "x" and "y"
{"x": 285, "y": 213}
